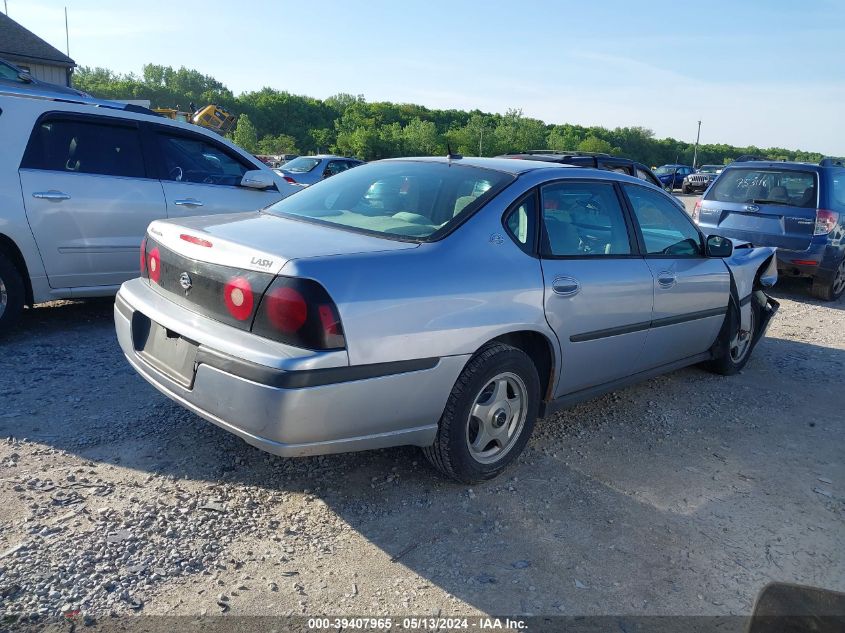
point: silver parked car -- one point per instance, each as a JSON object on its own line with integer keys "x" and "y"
{"x": 445, "y": 303}
{"x": 307, "y": 170}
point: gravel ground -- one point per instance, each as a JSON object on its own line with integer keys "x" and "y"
{"x": 683, "y": 495}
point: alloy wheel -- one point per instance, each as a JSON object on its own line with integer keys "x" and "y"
{"x": 497, "y": 417}
{"x": 741, "y": 342}
{"x": 839, "y": 280}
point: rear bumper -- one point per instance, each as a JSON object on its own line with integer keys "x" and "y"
{"x": 819, "y": 259}
{"x": 300, "y": 411}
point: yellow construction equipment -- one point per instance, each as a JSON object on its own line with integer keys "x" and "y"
{"x": 211, "y": 117}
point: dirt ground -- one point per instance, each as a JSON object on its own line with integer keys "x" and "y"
{"x": 683, "y": 495}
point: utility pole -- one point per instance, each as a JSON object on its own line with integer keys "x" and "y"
{"x": 695, "y": 152}
{"x": 480, "y": 137}
{"x": 67, "y": 36}
{"x": 6, "y": 4}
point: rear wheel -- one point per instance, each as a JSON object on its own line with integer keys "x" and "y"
{"x": 739, "y": 343}
{"x": 12, "y": 293}
{"x": 831, "y": 290}
{"x": 489, "y": 415}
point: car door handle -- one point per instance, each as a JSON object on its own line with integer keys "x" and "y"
{"x": 51, "y": 195}
{"x": 188, "y": 202}
{"x": 566, "y": 286}
{"x": 666, "y": 279}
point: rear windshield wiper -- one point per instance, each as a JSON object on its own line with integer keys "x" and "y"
{"x": 766, "y": 201}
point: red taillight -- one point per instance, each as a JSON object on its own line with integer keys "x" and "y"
{"x": 144, "y": 257}
{"x": 286, "y": 309}
{"x": 805, "y": 262}
{"x": 825, "y": 221}
{"x": 195, "y": 240}
{"x": 696, "y": 212}
{"x": 154, "y": 265}
{"x": 238, "y": 297}
{"x": 290, "y": 180}
{"x": 301, "y": 313}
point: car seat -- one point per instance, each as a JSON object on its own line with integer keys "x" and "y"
{"x": 779, "y": 193}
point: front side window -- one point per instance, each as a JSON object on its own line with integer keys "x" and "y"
{"x": 191, "y": 159}
{"x": 789, "y": 187}
{"x": 85, "y": 147}
{"x": 666, "y": 229}
{"x": 583, "y": 219}
{"x": 410, "y": 199}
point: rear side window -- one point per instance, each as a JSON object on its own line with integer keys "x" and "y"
{"x": 839, "y": 188}
{"x": 85, "y": 147}
{"x": 521, "y": 220}
{"x": 788, "y": 187}
{"x": 583, "y": 219}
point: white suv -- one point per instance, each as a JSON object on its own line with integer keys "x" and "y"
{"x": 80, "y": 180}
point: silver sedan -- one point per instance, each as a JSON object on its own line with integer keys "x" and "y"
{"x": 444, "y": 303}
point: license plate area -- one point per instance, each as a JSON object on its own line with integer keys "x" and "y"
{"x": 166, "y": 350}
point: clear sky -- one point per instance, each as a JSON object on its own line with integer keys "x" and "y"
{"x": 761, "y": 72}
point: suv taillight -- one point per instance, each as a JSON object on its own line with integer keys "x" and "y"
{"x": 825, "y": 221}
{"x": 299, "y": 312}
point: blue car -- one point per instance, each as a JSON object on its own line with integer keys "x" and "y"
{"x": 672, "y": 176}
{"x": 798, "y": 207}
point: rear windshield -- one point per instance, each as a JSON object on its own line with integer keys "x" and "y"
{"x": 404, "y": 199}
{"x": 301, "y": 165}
{"x": 787, "y": 187}
{"x": 709, "y": 169}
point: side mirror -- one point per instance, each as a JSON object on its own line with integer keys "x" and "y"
{"x": 25, "y": 77}
{"x": 718, "y": 246}
{"x": 257, "y": 179}
{"x": 327, "y": 173}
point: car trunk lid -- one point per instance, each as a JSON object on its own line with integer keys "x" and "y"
{"x": 221, "y": 266}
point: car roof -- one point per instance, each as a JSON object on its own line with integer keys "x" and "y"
{"x": 512, "y": 166}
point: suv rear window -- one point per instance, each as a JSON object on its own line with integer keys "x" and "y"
{"x": 788, "y": 187}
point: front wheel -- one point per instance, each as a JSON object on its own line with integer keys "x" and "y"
{"x": 830, "y": 290}
{"x": 685, "y": 189}
{"x": 489, "y": 415}
{"x": 739, "y": 344}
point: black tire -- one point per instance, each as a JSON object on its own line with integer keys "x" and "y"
{"x": 833, "y": 289}
{"x": 12, "y": 294}
{"x": 451, "y": 453}
{"x": 685, "y": 189}
{"x": 729, "y": 363}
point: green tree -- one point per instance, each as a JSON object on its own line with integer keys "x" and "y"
{"x": 276, "y": 144}
{"x": 322, "y": 138}
{"x": 593, "y": 144}
{"x": 245, "y": 134}
{"x": 420, "y": 138}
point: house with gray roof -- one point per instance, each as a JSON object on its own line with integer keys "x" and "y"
{"x": 24, "y": 48}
